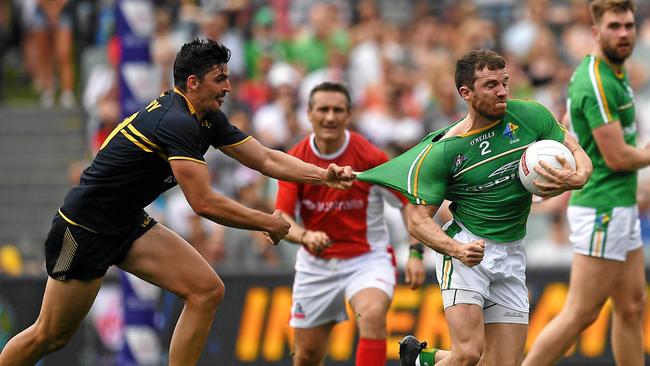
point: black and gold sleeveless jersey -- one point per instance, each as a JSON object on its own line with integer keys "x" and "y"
{"x": 132, "y": 166}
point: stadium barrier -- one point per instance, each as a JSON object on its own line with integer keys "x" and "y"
{"x": 251, "y": 326}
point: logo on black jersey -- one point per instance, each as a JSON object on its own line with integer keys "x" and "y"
{"x": 170, "y": 180}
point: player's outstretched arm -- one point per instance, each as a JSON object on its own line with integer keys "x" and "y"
{"x": 280, "y": 165}
{"x": 618, "y": 155}
{"x": 422, "y": 227}
{"x": 194, "y": 180}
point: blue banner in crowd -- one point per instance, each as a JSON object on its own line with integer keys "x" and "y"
{"x": 137, "y": 78}
{"x": 137, "y": 86}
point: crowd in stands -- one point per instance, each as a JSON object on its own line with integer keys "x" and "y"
{"x": 398, "y": 58}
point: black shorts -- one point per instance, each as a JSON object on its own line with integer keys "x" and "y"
{"x": 72, "y": 251}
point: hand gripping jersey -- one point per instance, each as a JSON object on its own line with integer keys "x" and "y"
{"x": 598, "y": 96}
{"x": 352, "y": 218}
{"x": 476, "y": 171}
{"x": 132, "y": 167}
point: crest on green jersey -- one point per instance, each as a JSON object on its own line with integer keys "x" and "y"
{"x": 510, "y": 131}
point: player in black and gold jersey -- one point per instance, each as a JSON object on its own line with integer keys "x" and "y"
{"x": 102, "y": 221}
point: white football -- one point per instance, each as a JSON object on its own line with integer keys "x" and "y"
{"x": 543, "y": 150}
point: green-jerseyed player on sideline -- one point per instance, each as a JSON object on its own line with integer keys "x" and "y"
{"x": 603, "y": 216}
{"x": 480, "y": 259}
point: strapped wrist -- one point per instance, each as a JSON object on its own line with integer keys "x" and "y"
{"x": 415, "y": 254}
{"x": 418, "y": 247}
{"x": 302, "y": 237}
{"x": 416, "y": 250}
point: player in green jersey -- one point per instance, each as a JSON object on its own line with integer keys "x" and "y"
{"x": 603, "y": 216}
{"x": 480, "y": 259}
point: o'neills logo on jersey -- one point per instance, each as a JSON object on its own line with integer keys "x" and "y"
{"x": 484, "y": 136}
{"x": 326, "y": 206}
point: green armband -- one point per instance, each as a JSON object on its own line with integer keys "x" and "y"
{"x": 416, "y": 250}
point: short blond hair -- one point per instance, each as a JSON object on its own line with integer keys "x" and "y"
{"x": 598, "y": 8}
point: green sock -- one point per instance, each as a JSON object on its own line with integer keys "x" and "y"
{"x": 428, "y": 356}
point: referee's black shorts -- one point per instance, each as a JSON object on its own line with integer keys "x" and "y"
{"x": 74, "y": 252}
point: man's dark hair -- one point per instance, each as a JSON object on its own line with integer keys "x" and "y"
{"x": 198, "y": 58}
{"x": 598, "y": 8}
{"x": 474, "y": 61}
{"x": 332, "y": 86}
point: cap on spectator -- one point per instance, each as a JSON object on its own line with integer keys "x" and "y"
{"x": 283, "y": 74}
{"x": 264, "y": 17}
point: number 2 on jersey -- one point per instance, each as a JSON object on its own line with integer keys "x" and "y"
{"x": 485, "y": 147}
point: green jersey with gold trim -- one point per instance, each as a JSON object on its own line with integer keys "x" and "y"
{"x": 597, "y": 96}
{"x": 132, "y": 166}
{"x": 477, "y": 172}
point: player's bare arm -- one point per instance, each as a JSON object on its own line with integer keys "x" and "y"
{"x": 414, "y": 272}
{"x": 618, "y": 155}
{"x": 422, "y": 227}
{"x": 280, "y": 165}
{"x": 315, "y": 241}
{"x": 193, "y": 179}
{"x": 567, "y": 178}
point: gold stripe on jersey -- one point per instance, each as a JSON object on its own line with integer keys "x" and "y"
{"x": 74, "y": 223}
{"x": 143, "y": 137}
{"x": 417, "y": 171}
{"x": 189, "y": 104}
{"x": 186, "y": 158}
{"x": 118, "y": 128}
{"x": 238, "y": 143}
{"x": 135, "y": 141}
{"x": 602, "y": 99}
{"x": 600, "y": 87}
{"x": 153, "y": 105}
{"x": 473, "y": 132}
{"x": 490, "y": 159}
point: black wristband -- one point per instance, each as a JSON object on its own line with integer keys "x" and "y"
{"x": 418, "y": 247}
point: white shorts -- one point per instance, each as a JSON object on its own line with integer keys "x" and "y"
{"x": 499, "y": 279}
{"x": 321, "y": 286}
{"x": 608, "y": 234}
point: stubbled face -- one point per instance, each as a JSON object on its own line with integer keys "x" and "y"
{"x": 490, "y": 93}
{"x": 329, "y": 116}
{"x": 212, "y": 89}
{"x": 616, "y": 34}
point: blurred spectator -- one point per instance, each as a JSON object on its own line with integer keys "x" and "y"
{"x": 518, "y": 38}
{"x": 576, "y": 37}
{"x": 52, "y": 27}
{"x": 264, "y": 43}
{"x": 165, "y": 43}
{"x": 11, "y": 261}
{"x": 301, "y": 12}
{"x": 276, "y": 124}
{"x": 5, "y": 35}
{"x": 325, "y": 33}
{"x": 216, "y": 26}
{"x": 100, "y": 97}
